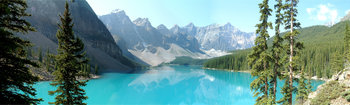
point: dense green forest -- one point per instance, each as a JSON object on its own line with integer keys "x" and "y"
{"x": 321, "y": 42}
{"x": 185, "y": 60}
{"x": 235, "y": 61}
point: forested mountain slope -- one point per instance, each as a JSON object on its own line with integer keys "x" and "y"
{"x": 320, "y": 43}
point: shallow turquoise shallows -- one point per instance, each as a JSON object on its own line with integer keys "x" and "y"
{"x": 168, "y": 85}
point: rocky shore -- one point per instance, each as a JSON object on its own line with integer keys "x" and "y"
{"x": 343, "y": 78}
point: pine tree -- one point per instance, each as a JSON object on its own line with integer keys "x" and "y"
{"x": 15, "y": 78}
{"x": 40, "y": 54}
{"x": 302, "y": 93}
{"x": 277, "y": 47}
{"x": 285, "y": 91}
{"x": 69, "y": 59}
{"x": 96, "y": 69}
{"x": 29, "y": 52}
{"x": 308, "y": 85}
{"x": 259, "y": 58}
{"x": 291, "y": 23}
{"x": 336, "y": 62}
{"x": 48, "y": 60}
{"x": 347, "y": 43}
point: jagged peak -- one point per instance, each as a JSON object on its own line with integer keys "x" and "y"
{"x": 190, "y": 25}
{"x": 142, "y": 21}
{"x": 228, "y": 24}
{"x": 118, "y": 11}
{"x": 162, "y": 26}
{"x": 175, "y": 27}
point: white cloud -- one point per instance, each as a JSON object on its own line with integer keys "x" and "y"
{"x": 324, "y": 12}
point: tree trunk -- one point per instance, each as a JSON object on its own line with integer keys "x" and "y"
{"x": 266, "y": 82}
{"x": 275, "y": 78}
{"x": 291, "y": 56}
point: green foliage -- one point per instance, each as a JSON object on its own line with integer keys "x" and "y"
{"x": 303, "y": 90}
{"x": 185, "y": 60}
{"x": 320, "y": 43}
{"x": 277, "y": 49}
{"x": 336, "y": 63}
{"x": 295, "y": 47}
{"x": 329, "y": 92}
{"x": 40, "y": 54}
{"x": 346, "y": 95}
{"x": 15, "y": 78}
{"x": 96, "y": 69}
{"x": 48, "y": 60}
{"x": 347, "y": 42}
{"x": 236, "y": 61}
{"x": 259, "y": 58}
{"x": 69, "y": 60}
{"x": 285, "y": 92}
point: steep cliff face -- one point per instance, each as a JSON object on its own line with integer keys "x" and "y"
{"x": 218, "y": 37}
{"x": 151, "y": 45}
{"x": 99, "y": 43}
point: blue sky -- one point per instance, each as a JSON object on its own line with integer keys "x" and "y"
{"x": 243, "y": 14}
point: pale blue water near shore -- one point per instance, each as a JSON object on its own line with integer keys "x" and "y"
{"x": 168, "y": 85}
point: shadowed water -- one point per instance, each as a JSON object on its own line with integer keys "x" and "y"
{"x": 168, "y": 85}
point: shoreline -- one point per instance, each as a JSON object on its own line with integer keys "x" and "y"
{"x": 243, "y": 71}
{"x": 249, "y": 71}
{"x": 92, "y": 76}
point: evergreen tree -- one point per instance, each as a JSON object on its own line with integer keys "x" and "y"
{"x": 302, "y": 93}
{"x": 96, "y": 69}
{"x": 259, "y": 58}
{"x": 69, "y": 59}
{"x": 308, "y": 85}
{"x": 40, "y": 55}
{"x": 29, "y": 52}
{"x": 347, "y": 43}
{"x": 336, "y": 62}
{"x": 291, "y": 23}
{"x": 48, "y": 59}
{"x": 277, "y": 48}
{"x": 285, "y": 91}
{"x": 15, "y": 78}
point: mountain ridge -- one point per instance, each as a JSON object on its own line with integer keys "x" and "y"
{"x": 141, "y": 37}
{"x": 99, "y": 43}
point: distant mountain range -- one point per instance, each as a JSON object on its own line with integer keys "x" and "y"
{"x": 158, "y": 45}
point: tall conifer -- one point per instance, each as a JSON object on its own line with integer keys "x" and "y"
{"x": 347, "y": 43}
{"x": 259, "y": 58}
{"x": 15, "y": 78}
{"x": 291, "y": 23}
{"x": 303, "y": 91}
{"x": 277, "y": 47}
{"x": 69, "y": 60}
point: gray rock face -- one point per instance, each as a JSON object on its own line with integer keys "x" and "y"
{"x": 225, "y": 38}
{"x": 98, "y": 41}
{"x": 142, "y": 39}
{"x": 347, "y": 17}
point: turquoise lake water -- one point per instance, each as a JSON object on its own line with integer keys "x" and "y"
{"x": 168, "y": 85}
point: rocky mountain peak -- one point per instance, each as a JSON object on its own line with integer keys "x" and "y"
{"x": 175, "y": 28}
{"x": 190, "y": 25}
{"x": 347, "y": 17}
{"x": 228, "y": 24}
{"x": 142, "y": 22}
{"x": 162, "y": 27}
{"x": 118, "y": 11}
